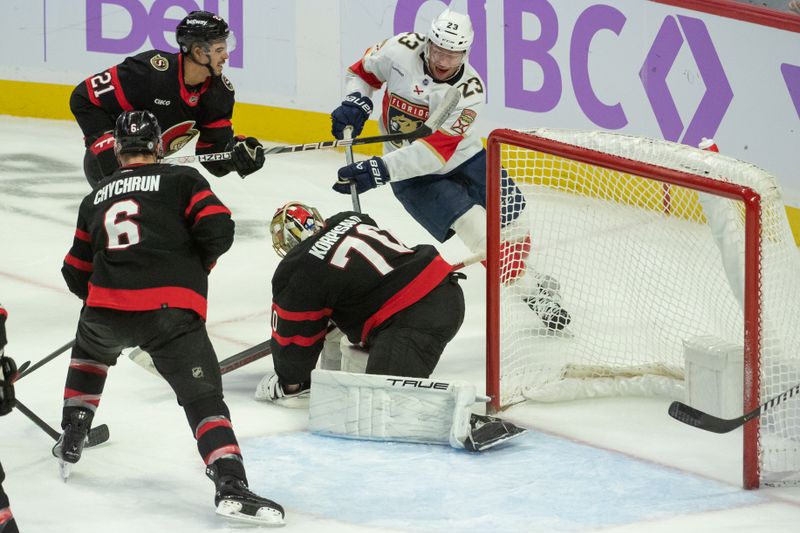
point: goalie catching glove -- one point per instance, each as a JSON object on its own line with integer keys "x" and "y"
{"x": 365, "y": 174}
{"x": 248, "y": 155}
{"x": 354, "y": 112}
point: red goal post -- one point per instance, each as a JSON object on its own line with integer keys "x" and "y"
{"x": 657, "y": 182}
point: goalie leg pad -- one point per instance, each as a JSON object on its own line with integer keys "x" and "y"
{"x": 391, "y": 408}
{"x": 331, "y": 357}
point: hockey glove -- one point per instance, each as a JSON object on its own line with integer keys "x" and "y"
{"x": 365, "y": 174}
{"x": 248, "y": 155}
{"x": 8, "y": 375}
{"x": 354, "y": 111}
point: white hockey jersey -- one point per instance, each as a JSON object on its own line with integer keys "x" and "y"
{"x": 410, "y": 95}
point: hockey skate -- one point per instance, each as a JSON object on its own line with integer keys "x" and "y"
{"x": 489, "y": 431}
{"x": 69, "y": 447}
{"x": 235, "y": 501}
{"x": 547, "y": 304}
{"x": 269, "y": 389}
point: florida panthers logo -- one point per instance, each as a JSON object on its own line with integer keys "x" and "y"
{"x": 177, "y": 136}
{"x": 404, "y": 116}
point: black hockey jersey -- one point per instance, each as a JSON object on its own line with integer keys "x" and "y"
{"x": 153, "y": 80}
{"x": 146, "y": 238}
{"x": 351, "y": 273}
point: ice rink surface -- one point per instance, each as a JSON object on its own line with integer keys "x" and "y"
{"x": 613, "y": 465}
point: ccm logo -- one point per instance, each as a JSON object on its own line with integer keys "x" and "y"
{"x": 418, "y": 383}
{"x": 159, "y": 101}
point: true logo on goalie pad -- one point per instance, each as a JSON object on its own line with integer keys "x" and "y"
{"x": 418, "y": 383}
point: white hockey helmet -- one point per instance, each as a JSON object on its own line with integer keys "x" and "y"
{"x": 292, "y": 224}
{"x": 452, "y": 31}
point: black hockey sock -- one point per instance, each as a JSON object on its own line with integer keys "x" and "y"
{"x": 84, "y": 387}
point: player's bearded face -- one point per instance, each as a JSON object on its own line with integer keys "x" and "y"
{"x": 217, "y": 54}
{"x": 442, "y": 63}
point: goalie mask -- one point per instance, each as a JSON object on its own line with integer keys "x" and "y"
{"x": 292, "y": 224}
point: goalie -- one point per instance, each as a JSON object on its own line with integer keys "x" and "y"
{"x": 402, "y": 305}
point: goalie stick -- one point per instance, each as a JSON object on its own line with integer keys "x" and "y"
{"x": 142, "y": 358}
{"x": 244, "y": 357}
{"x": 697, "y": 418}
{"x": 97, "y": 435}
{"x": 434, "y": 122}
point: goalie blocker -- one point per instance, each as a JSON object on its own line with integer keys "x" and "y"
{"x": 404, "y": 409}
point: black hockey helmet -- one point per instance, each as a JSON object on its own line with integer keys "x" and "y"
{"x": 137, "y": 132}
{"x": 200, "y": 27}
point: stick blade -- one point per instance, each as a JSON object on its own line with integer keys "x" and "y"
{"x": 443, "y": 110}
{"x": 97, "y": 435}
{"x": 696, "y": 418}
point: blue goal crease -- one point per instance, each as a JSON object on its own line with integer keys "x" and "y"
{"x": 538, "y": 482}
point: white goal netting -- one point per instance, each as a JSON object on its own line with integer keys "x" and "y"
{"x": 644, "y": 266}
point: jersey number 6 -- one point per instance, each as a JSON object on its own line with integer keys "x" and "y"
{"x": 120, "y": 229}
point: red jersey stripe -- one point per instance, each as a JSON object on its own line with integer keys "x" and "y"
{"x": 147, "y": 299}
{"x": 82, "y": 235}
{"x": 190, "y": 98}
{"x": 301, "y": 315}
{"x": 424, "y": 283}
{"x": 224, "y": 123}
{"x": 211, "y": 210}
{"x": 299, "y": 339}
{"x": 442, "y": 144}
{"x": 196, "y": 198}
{"x": 118, "y": 92}
{"x": 358, "y": 69}
{"x": 73, "y": 261}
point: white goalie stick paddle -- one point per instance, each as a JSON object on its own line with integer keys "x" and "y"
{"x": 697, "y": 418}
{"x": 434, "y": 122}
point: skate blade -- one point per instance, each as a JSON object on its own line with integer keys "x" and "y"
{"x": 64, "y": 469}
{"x": 264, "y": 517}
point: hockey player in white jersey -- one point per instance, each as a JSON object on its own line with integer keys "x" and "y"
{"x": 440, "y": 179}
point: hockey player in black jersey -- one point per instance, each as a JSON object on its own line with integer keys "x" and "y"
{"x": 186, "y": 91}
{"x": 8, "y": 374}
{"x": 402, "y": 304}
{"x": 146, "y": 239}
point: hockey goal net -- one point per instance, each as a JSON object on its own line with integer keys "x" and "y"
{"x": 652, "y": 244}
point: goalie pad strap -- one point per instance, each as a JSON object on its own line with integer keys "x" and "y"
{"x": 390, "y": 408}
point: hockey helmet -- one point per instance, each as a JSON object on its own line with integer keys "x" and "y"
{"x": 292, "y": 224}
{"x": 137, "y": 132}
{"x": 202, "y": 27}
{"x": 452, "y": 31}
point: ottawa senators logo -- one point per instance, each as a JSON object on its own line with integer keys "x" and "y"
{"x": 159, "y": 62}
{"x": 177, "y": 136}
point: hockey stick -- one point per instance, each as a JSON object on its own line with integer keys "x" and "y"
{"x": 97, "y": 435}
{"x": 434, "y": 122}
{"x": 244, "y": 357}
{"x": 348, "y": 157}
{"x": 471, "y": 260}
{"x": 47, "y": 358}
{"x": 694, "y": 417}
{"x": 142, "y": 358}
